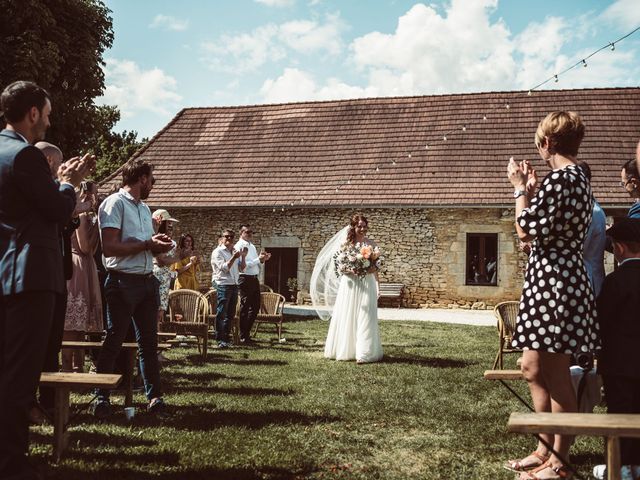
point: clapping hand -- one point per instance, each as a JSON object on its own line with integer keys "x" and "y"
{"x": 532, "y": 178}
{"x": 264, "y": 256}
{"x": 160, "y": 243}
{"x": 74, "y": 170}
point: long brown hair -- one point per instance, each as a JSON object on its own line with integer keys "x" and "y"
{"x": 353, "y": 223}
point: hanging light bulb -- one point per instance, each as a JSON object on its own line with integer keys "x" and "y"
{"x": 283, "y": 209}
{"x": 363, "y": 175}
{"x": 377, "y": 169}
{"x": 337, "y": 189}
{"x": 613, "y": 47}
{"x": 426, "y": 147}
{"x": 444, "y": 138}
{"x": 507, "y": 106}
{"x": 302, "y": 200}
{"x": 556, "y": 78}
{"x": 274, "y": 210}
{"x": 407, "y": 156}
{"x": 584, "y": 63}
{"x": 464, "y": 128}
{"x": 484, "y": 118}
{"x": 529, "y": 93}
{"x": 349, "y": 182}
{"x": 393, "y": 162}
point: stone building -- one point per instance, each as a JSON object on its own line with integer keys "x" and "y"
{"x": 429, "y": 172}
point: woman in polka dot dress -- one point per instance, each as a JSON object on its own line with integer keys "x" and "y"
{"x": 557, "y": 315}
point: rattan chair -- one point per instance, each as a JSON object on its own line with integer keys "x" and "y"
{"x": 212, "y": 302}
{"x": 271, "y": 311}
{"x": 265, "y": 288}
{"x": 188, "y": 314}
{"x": 506, "y": 314}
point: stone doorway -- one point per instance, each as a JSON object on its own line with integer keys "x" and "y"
{"x": 282, "y": 266}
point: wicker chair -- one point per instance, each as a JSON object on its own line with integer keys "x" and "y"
{"x": 271, "y": 311}
{"x": 212, "y": 302}
{"x": 188, "y": 313}
{"x": 265, "y": 288}
{"x": 506, "y": 314}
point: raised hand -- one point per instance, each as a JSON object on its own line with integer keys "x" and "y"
{"x": 516, "y": 174}
{"x": 159, "y": 243}
{"x": 75, "y": 170}
{"x": 532, "y": 178}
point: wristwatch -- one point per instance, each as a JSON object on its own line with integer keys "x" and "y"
{"x": 519, "y": 193}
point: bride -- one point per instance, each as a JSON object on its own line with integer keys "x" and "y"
{"x": 344, "y": 286}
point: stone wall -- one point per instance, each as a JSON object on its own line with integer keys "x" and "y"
{"x": 424, "y": 248}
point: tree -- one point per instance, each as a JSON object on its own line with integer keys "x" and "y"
{"x": 59, "y": 45}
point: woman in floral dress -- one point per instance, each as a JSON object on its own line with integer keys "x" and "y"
{"x": 162, "y": 263}
{"x": 84, "y": 302}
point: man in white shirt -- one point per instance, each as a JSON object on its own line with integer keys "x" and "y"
{"x": 224, "y": 263}
{"x": 248, "y": 282}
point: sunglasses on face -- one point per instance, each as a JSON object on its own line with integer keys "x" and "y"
{"x": 230, "y": 237}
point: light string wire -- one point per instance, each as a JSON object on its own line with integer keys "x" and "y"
{"x": 444, "y": 137}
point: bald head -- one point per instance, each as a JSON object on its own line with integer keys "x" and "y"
{"x": 53, "y": 155}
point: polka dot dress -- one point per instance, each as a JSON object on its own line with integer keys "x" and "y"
{"x": 557, "y": 308}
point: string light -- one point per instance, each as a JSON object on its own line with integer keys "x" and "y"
{"x": 274, "y": 210}
{"x": 554, "y": 78}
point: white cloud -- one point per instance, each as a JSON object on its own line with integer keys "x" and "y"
{"x": 277, "y": 3}
{"x": 623, "y": 13}
{"x": 297, "y": 85}
{"x": 429, "y": 53}
{"x": 134, "y": 90}
{"x": 271, "y": 43}
{"x": 168, "y": 22}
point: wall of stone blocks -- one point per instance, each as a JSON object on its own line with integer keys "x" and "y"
{"x": 425, "y": 248}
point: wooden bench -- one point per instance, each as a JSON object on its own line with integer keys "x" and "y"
{"x": 503, "y": 375}
{"x": 393, "y": 292}
{"x": 131, "y": 349}
{"x": 609, "y": 425}
{"x": 63, "y": 383}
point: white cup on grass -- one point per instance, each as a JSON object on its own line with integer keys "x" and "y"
{"x": 130, "y": 412}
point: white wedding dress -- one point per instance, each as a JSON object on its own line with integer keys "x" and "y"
{"x": 353, "y": 331}
{"x": 352, "y": 305}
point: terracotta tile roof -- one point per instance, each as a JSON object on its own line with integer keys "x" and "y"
{"x": 272, "y": 155}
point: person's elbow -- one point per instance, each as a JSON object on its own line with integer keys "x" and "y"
{"x": 524, "y": 236}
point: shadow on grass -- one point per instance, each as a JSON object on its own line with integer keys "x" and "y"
{"x": 237, "y": 361}
{"x": 250, "y": 391}
{"x": 206, "y": 473}
{"x": 428, "y": 361}
{"x": 196, "y": 419}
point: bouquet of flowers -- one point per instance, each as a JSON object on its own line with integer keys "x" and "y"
{"x": 357, "y": 259}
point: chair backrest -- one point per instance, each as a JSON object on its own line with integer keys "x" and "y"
{"x": 191, "y": 305}
{"x": 212, "y": 300}
{"x": 507, "y": 314}
{"x": 265, "y": 288}
{"x": 271, "y": 303}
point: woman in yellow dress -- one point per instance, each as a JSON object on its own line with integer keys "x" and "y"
{"x": 188, "y": 267}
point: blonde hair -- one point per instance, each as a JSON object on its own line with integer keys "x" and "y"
{"x": 564, "y": 130}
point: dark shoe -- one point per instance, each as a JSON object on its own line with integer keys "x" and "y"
{"x": 158, "y": 408}
{"x": 247, "y": 341}
{"x": 102, "y": 408}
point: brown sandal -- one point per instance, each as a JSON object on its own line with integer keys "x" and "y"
{"x": 520, "y": 466}
{"x": 561, "y": 472}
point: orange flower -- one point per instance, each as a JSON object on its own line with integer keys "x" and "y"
{"x": 366, "y": 251}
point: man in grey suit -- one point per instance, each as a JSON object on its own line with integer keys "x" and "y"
{"x": 32, "y": 206}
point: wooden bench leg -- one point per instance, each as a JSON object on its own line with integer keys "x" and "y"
{"x": 60, "y": 421}
{"x": 613, "y": 458}
{"x": 131, "y": 363}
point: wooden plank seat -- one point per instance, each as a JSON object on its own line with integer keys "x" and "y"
{"x": 393, "y": 292}
{"x": 503, "y": 375}
{"x": 63, "y": 383}
{"x": 612, "y": 426}
{"x": 131, "y": 348}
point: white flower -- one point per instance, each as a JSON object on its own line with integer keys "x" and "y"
{"x": 366, "y": 264}
{"x": 359, "y": 256}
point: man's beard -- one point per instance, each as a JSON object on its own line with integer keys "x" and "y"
{"x": 144, "y": 194}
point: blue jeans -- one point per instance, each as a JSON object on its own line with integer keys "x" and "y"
{"x": 132, "y": 297}
{"x": 226, "y": 310}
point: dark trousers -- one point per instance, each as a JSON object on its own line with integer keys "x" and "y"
{"x": 249, "y": 286}
{"x": 132, "y": 298}
{"x": 25, "y": 321}
{"x": 52, "y": 355}
{"x": 226, "y": 310}
{"x": 623, "y": 396}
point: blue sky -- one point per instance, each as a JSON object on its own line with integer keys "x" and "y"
{"x": 193, "y": 53}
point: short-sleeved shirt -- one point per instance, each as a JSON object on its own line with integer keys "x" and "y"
{"x": 133, "y": 219}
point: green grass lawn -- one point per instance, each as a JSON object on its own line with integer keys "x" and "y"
{"x": 279, "y": 411}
